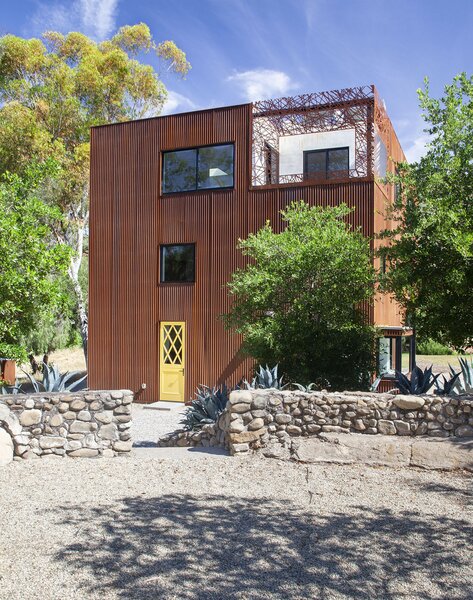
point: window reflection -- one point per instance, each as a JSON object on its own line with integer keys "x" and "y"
{"x": 207, "y": 167}
{"x": 178, "y": 263}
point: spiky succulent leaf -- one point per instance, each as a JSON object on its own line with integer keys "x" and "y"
{"x": 465, "y": 384}
{"x": 264, "y": 378}
{"x": 447, "y": 386}
{"x": 7, "y": 390}
{"x": 300, "y": 387}
{"x": 419, "y": 383}
{"x": 207, "y": 406}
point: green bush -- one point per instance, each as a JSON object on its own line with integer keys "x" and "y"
{"x": 433, "y": 348}
{"x": 300, "y": 300}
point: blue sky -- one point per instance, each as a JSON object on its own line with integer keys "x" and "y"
{"x": 243, "y": 50}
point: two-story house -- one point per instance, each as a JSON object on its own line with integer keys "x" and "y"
{"x": 171, "y": 195}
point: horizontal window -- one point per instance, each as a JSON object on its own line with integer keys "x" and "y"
{"x": 326, "y": 163}
{"x": 204, "y": 168}
{"x": 177, "y": 263}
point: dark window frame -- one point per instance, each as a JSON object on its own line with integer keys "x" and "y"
{"x": 326, "y": 152}
{"x": 196, "y": 188}
{"x": 161, "y": 264}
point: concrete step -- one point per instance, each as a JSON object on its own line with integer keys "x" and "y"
{"x": 393, "y": 451}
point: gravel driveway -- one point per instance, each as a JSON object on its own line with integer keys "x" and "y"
{"x": 215, "y": 527}
{"x": 151, "y": 423}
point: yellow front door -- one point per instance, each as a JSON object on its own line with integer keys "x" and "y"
{"x": 172, "y": 354}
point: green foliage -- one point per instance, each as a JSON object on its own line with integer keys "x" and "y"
{"x": 205, "y": 408}
{"x": 31, "y": 261}
{"x": 299, "y": 300}
{"x": 56, "y": 328}
{"x": 70, "y": 82}
{"x": 431, "y": 251}
{"x": 52, "y": 91}
{"x": 420, "y": 381}
{"x": 433, "y": 348}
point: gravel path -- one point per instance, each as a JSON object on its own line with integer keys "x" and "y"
{"x": 216, "y": 527}
{"x": 151, "y": 423}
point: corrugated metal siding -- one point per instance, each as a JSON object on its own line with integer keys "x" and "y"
{"x": 130, "y": 219}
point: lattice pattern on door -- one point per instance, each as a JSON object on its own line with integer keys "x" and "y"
{"x": 172, "y": 344}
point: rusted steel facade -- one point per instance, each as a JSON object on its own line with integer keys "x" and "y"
{"x": 130, "y": 219}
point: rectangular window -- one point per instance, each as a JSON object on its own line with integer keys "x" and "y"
{"x": 326, "y": 164}
{"x": 179, "y": 173}
{"x": 204, "y": 168}
{"x": 385, "y": 357}
{"x": 177, "y": 263}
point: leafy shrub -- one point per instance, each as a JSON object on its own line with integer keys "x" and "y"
{"x": 433, "y": 348}
{"x": 419, "y": 383}
{"x": 300, "y": 300}
{"x": 205, "y": 408}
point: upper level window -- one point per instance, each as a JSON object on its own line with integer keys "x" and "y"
{"x": 325, "y": 164}
{"x": 177, "y": 263}
{"x": 207, "y": 167}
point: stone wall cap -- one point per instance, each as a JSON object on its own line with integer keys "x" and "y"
{"x": 240, "y": 397}
{"x": 407, "y": 402}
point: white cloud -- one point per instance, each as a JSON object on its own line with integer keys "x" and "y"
{"x": 259, "y": 84}
{"x": 96, "y": 18}
{"x": 99, "y": 16}
{"x": 176, "y": 103}
{"x": 417, "y": 148}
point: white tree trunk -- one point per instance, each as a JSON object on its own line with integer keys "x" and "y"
{"x": 81, "y": 311}
{"x": 74, "y": 267}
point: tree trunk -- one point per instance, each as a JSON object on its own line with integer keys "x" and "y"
{"x": 82, "y": 314}
{"x": 74, "y": 267}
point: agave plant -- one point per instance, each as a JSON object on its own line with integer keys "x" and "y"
{"x": 53, "y": 381}
{"x": 447, "y": 386}
{"x": 419, "y": 383}
{"x": 208, "y": 405}
{"x": 7, "y": 389}
{"x": 304, "y": 388}
{"x": 265, "y": 378}
{"x": 464, "y": 385}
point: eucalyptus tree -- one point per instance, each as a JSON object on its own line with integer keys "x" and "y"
{"x": 52, "y": 90}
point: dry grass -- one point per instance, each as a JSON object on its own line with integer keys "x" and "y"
{"x": 68, "y": 359}
{"x": 440, "y": 362}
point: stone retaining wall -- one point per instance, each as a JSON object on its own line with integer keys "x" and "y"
{"x": 261, "y": 418}
{"x": 68, "y": 424}
{"x": 211, "y": 435}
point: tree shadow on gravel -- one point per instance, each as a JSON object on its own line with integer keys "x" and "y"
{"x": 223, "y": 547}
